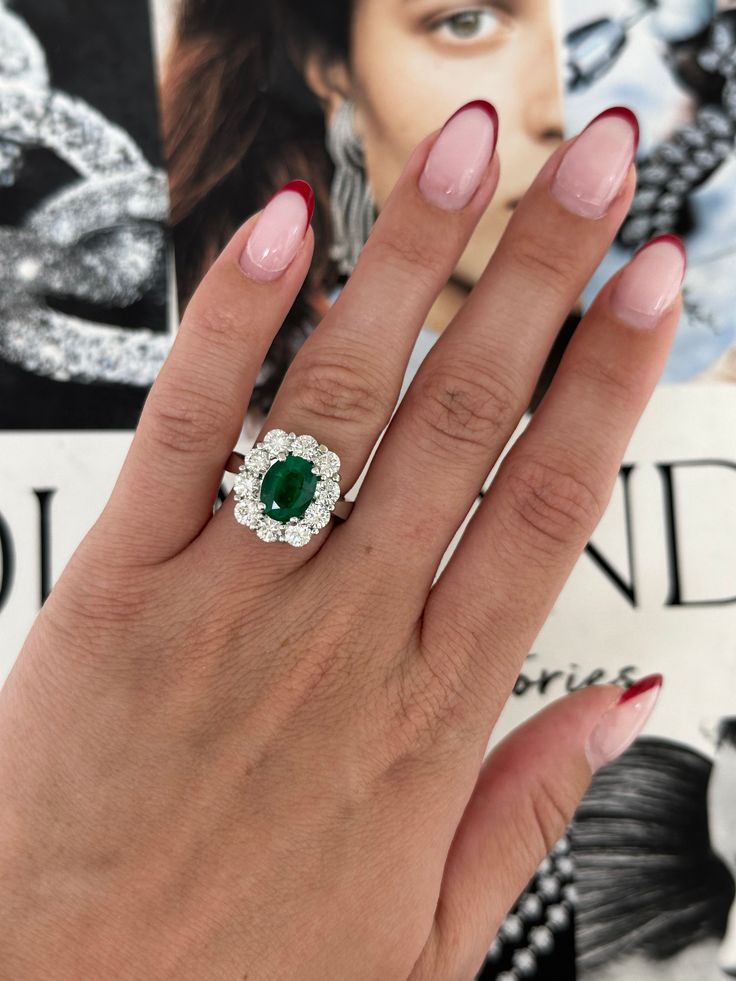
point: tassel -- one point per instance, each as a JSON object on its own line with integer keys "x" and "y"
{"x": 351, "y": 199}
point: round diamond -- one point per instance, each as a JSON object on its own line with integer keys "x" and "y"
{"x": 245, "y": 485}
{"x": 327, "y": 464}
{"x": 305, "y": 446}
{"x": 249, "y": 514}
{"x": 317, "y": 515}
{"x": 297, "y": 535}
{"x": 327, "y": 491}
{"x": 269, "y": 530}
{"x": 278, "y": 441}
{"x": 257, "y": 460}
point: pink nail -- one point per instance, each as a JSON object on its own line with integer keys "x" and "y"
{"x": 460, "y": 156}
{"x": 650, "y": 283}
{"x": 595, "y": 166}
{"x": 279, "y": 232}
{"x": 619, "y": 726}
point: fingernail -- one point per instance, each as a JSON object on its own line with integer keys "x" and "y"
{"x": 460, "y": 156}
{"x": 650, "y": 283}
{"x": 279, "y": 232}
{"x": 621, "y": 724}
{"x": 595, "y": 166}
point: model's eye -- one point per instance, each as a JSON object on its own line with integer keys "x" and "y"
{"x": 468, "y": 25}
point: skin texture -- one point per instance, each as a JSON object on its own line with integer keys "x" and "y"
{"x": 225, "y": 759}
{"x": 505, "y": 53}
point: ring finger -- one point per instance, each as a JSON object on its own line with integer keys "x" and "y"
{"x": 343, "y": 384}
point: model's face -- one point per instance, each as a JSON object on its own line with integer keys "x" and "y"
{"x": 414, "y": 62}
{"x": 722, "y": 825}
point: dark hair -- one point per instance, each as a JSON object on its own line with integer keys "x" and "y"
{"x": 726, "y": 734}
{"x": 647, "y": 879}
{"x": 239, "y": 122}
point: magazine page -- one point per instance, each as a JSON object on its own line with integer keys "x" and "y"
{"x": 84, "y": 318}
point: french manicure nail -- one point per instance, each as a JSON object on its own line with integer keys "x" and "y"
{"x": 279, "y": 232}
{"x": 650, "y": 283}
{"x": 460, "y": 156}
{"x": 595, "y": 166}
{"x": 619, "y": 726}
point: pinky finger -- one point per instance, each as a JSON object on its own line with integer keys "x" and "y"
{"x": 555, "y": 483}
{"x": 526, "y": 795}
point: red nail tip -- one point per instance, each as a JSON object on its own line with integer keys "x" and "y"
{"x": 487, "y": 107}
{"x": 625, "y": 113}
{"x": 305, "y": 189}
{"x": 651, "y": 681}
{"x": 672, "y": 239}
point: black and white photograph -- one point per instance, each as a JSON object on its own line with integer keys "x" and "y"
{"x": 83, "y": 215}
{"x": 653, "y": 843}
{"x": 673, "y": 63}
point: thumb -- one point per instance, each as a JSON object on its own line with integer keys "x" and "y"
{"x": 526, "y": 794}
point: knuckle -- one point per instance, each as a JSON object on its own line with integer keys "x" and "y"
{"x": 184, "y": 420}
{"x": 462, "y": 406}
{"x": 554, "y": 264}
{"x": 338, "y": 390}
{"x": 548, "y": 505}
{"x": 415, "y": 719}
{"x": 101, "y": 599}
{"x": 434, "y": 705}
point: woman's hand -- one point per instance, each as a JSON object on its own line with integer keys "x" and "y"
{"x": 223, "y": 758}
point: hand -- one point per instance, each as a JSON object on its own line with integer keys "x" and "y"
{"x": 223, "y": 758}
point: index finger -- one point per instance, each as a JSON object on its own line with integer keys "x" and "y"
{"x": 194, "y": 412}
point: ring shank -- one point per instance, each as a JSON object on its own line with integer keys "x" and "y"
{"x": 342, "y": 509}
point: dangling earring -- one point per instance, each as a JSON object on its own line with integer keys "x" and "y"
{"x": 351, "y": 199}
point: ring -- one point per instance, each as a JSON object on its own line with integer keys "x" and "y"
{"x": 287, "y": 487}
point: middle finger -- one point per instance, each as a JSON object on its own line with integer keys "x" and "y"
{"x": 345, "y": 380}
{"x": 472, "y": 388}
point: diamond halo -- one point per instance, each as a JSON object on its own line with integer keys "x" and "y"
{"x": 276, "y": 446}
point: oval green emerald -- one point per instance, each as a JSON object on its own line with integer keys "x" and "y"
{"x": 288, "y": 488}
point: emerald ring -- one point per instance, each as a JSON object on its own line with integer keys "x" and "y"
{"x": 287, "y": 488}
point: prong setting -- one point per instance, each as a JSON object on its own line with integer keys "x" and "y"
{"x": 276, "y": 447}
